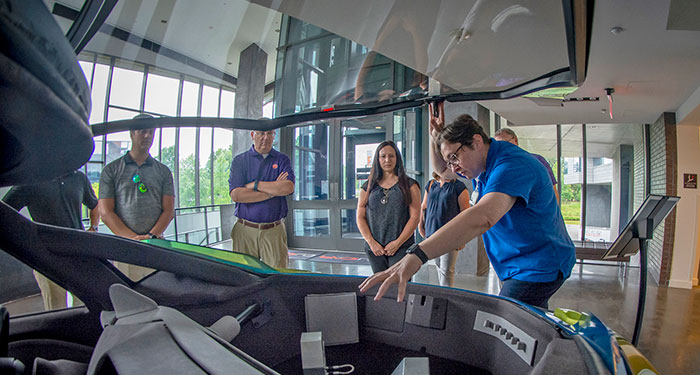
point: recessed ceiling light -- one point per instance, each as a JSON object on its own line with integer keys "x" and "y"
{"x": 616, "y": 30}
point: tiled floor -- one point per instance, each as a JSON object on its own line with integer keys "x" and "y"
{"x": 670, "y": 336}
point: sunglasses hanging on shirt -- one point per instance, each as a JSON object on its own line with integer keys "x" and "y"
{"x": 141, "y": 186}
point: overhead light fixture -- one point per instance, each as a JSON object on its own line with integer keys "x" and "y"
{"x": 609, "y": 91}
{"x": 616, "y": 30}
{"x": 581, "y": 99}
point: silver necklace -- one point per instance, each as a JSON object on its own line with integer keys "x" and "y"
{"x": 385, "y": 198}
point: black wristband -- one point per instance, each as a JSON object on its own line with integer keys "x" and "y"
{"x": 255, "y": 185}
{"x": 152, "y": 235}
{"x": 417, "y": 251}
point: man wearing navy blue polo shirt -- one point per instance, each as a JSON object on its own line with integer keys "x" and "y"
{"x": 516, "y": 211}
{"x": 259, "y": 181}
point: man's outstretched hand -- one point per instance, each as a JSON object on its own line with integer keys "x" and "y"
{"x": 400, "y": 273}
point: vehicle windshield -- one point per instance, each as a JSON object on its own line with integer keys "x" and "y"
{"x": 306, "y": 59}
{"x": 220, "y": 255}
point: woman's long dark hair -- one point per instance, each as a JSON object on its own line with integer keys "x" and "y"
{"x": 376, "y": 173}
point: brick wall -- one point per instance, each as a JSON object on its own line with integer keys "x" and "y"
{"x": 639, "y": 169}
{"x": 663, "y": 181}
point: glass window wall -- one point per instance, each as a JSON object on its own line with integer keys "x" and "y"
{"x": 311, "y": 162}
{"x": 572, "y": 178}
{"x": 610, "y": 178}
{"x": 117, "y": 94}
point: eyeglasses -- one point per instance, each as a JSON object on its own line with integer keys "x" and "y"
{"x": 453, "y": 158}
{"x": 137, "y": 180}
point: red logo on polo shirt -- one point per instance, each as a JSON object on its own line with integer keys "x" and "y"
{"x": 274, "y": 166}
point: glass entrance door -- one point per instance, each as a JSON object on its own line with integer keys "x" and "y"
{"x": 331, "y": 161}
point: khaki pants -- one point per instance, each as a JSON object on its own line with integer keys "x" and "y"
{"x": 133, "y": 272}
{"x": 54, "y": 296}
{"x": 446, "y": 267}
{"x": 268, "y": 245}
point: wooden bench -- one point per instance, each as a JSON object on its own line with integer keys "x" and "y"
{"x": 590, "y": 250}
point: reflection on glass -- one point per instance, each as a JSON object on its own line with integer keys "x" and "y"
{"x": 611, "y": 182}
{"x": 311, "y": 223}
{"x": 330, "y": 70}
{"x": 349, "y": 224}
{"x": 190, "y": 98}
{"x": 97, "y": 155}
{"x": 161, "y": 95}
{"x": 87, "y": 70}
{"x": 186, "y": 167}
{"x": 311, "y": 162}
{"x": 116, "y": 114}
{"x": 94, "y": 171}
{"x": 98, "y": 92}
{"x": 222, "y": 164}
{"x": 268, "y": 110}
{"x": 126, "y": 88}
{"x": 228, "y": 99}
{"x": 117, "y": 145}
{"x": 210, "y": 101}
{"x": 572, "y": 176}
{"x": 167, "y": 150}
{"x": 359, "y": 142}
{"x": 205, "y": 166}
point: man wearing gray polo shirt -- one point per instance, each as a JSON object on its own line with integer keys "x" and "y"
{"x": 137, "y": 198}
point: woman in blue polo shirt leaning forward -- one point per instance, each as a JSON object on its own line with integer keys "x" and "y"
{"x": 515, "y": 211}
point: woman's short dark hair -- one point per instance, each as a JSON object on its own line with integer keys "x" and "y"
{"x": 462, "y": 130}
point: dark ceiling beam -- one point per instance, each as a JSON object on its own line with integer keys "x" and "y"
{"x": 578, "y": 18}
{"x": 91, "y": 17}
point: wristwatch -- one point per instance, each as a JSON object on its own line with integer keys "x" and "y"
{"x": 152, "y": 235}
{"x": 255, "y": 185}
{"x": 417, "y": 251}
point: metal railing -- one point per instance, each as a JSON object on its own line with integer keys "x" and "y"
{"x": 198, "y": 229}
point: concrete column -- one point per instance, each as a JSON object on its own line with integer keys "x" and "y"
{"x": 472, "y": 259}
{"x": 250, "y": 90}
{"x": 475, "y": 110}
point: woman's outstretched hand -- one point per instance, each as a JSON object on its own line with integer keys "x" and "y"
{"x": 400, "y": 273}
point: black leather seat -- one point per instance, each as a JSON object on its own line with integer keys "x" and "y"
{"x": 10, "y": 366}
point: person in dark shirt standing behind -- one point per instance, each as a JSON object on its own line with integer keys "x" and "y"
{"x": 259, "y": 181}
{"x": 56, "y": 202}
{"x": 508, "y": 135}
{"x": 443, "y": 200}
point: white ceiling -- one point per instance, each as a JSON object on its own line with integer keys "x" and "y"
{"x": 652, "y": 70}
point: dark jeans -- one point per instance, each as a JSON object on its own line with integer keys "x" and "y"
{"x": 382, "y": 262}
{"x": 536, "y": 294}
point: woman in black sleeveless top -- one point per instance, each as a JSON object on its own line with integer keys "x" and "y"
{"x": 388, "y": 215}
